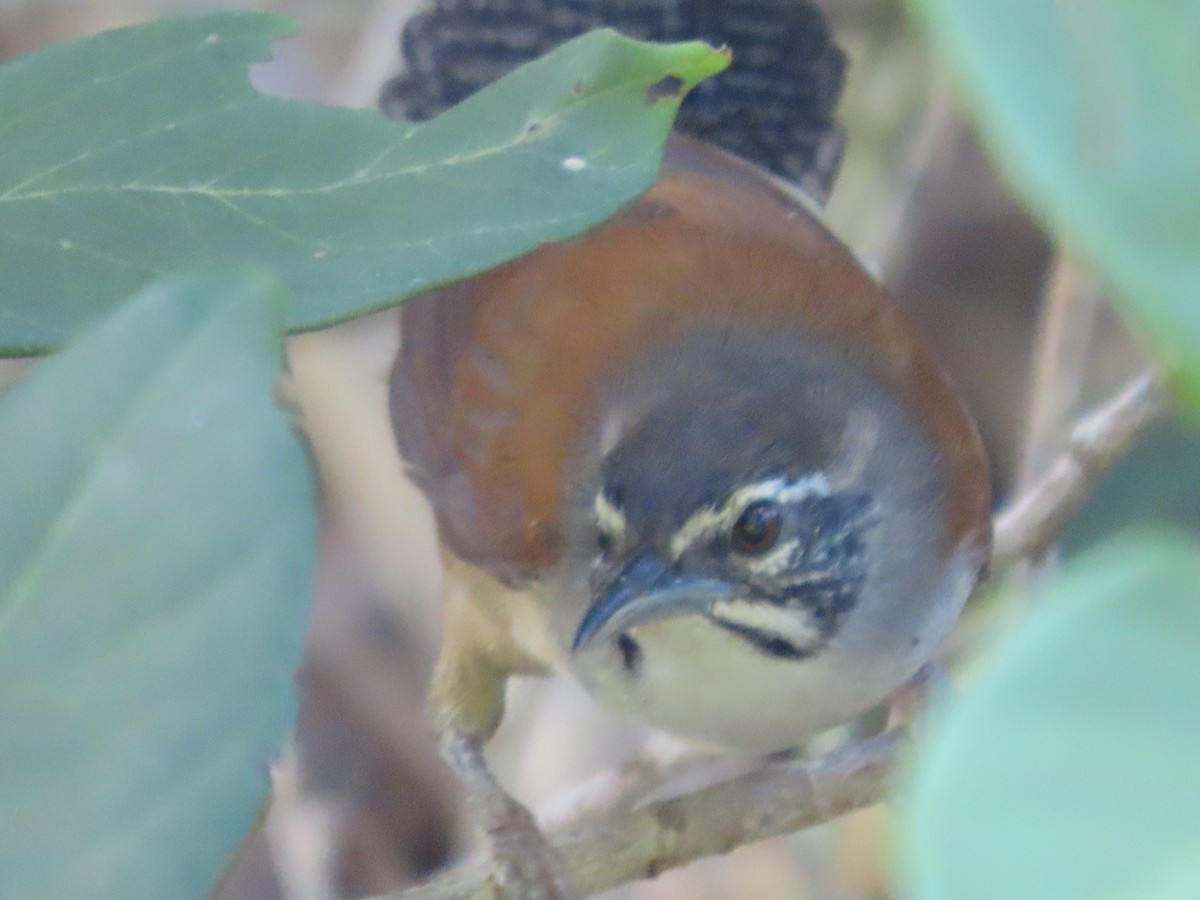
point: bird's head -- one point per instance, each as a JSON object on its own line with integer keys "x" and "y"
{"x": 733, "y": 516}
{"x": 760, "y": 549}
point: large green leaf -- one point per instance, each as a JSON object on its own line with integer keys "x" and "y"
{"x": 1071, "y": 771}
{"x": 155, "y": 566}
{"x": 1094, "y": 107}
{"x": 1158, "y": 482}
{"x": 141, "y": 150}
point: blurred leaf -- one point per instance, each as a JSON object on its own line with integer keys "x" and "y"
{"x": 1070, "y": 770}
{"x": 1094, "y": 107}
{"x": 1158, "y": 483}
{"x": 141, "y": 150}
{"x": 156, "y": 550}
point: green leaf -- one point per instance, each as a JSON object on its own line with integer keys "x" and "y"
{"x": 141, "y": 150}
{"x": 1094, "y": 110}
{"x": 1069, "y": 771}
{"x": 156, "y": 550}
{"x": 1157, "y": 482}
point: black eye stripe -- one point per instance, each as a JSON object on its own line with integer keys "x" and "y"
{"x": 770, "y": 644}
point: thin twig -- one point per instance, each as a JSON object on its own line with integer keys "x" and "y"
{"x": 1031, "y": 523}
{"x": 1064, "y": 336}
{"x": 934, "y": 139}
{"x": 631, "y": 844}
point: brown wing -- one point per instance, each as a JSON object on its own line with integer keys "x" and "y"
{"x": 496, "y": 377}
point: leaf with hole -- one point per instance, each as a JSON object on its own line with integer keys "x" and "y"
{"x": 139, "y": 151}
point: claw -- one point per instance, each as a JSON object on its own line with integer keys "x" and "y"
{"x": 528, "y": 867}
{"x": 910, "y": 700}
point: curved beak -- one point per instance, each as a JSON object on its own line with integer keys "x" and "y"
{"x": 646, "y": 589}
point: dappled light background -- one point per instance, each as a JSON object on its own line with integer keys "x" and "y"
{"x": 363, "y": 805}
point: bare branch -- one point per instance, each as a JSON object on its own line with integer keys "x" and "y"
{"x": 1065, "y": 326}
{"x": 937, "y": 134}
{"x": 1031, "y": 523}
{"x": 779, "y": 798}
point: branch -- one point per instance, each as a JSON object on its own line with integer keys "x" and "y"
{"x": 936, "y": 137}
{"x": 779, "y": 798}
{"x": 1032, "y": 522}
{"x": 1066, "y": 321}
{"x": 1065, "y": 325}
{"x": 610, "y": 843}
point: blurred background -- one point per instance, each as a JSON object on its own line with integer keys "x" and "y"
{"x": 363, "y": 805}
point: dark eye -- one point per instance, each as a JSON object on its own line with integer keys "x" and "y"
{"x": 757, "y": 528}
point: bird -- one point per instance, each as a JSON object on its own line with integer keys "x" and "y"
{"x": 697, "y": 459}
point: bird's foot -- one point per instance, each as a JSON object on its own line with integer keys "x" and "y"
{"x": 527, "y": 866}
{"x": 912, "y": 698}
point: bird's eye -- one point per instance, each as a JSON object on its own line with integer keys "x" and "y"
{"x": 757, "y": 528}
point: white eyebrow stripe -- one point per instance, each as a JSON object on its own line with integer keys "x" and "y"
{"x": 796, "y": 626}
{"x": 610, "y": 518}
{"x": 775, "y": 562}
{"x": 709, "y": 520}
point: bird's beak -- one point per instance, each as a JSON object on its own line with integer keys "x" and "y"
{"x": 646, "y": 589}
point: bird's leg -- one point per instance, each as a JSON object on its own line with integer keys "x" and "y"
{"x": 466, "y": 704}
{"x": 529, "y": 868}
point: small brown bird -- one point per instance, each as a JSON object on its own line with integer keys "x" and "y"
{"x": 698, "y": 459}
